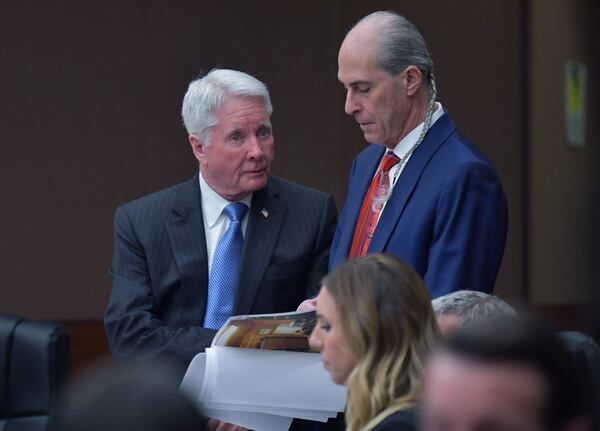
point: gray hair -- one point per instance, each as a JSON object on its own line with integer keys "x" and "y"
{"x": 402, "y": 45}
{"x": 206, "y": 95}
{"x": 471, "y": 306}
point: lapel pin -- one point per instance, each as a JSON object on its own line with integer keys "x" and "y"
{"x": 264, "y": 212}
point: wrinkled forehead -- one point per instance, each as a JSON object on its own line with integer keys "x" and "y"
{"x": 235, "y": 102}
{"x": 359, "y": 47}
{"x": 242, "y": 107}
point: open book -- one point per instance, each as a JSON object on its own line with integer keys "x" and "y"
{"x": 259, "y": 373}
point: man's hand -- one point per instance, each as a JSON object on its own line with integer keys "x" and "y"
{"x": 308, "y": 305}
{"x": 217, "y": 425}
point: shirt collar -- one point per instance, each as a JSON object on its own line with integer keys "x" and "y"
{"x": 213, "y": 203}
{"x": 411, "y": 139}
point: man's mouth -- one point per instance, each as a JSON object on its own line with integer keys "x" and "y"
{"x": 256, "y": 171}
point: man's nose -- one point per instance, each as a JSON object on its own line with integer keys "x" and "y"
{"x": 350, "y": 106}
{"x": 256, "y": 149}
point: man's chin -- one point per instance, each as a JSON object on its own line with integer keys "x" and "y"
{"x": 370, "y": 138}
{"x": 256, "y": 182}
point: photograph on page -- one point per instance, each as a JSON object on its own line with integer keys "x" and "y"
{"x": 281, "y": 331}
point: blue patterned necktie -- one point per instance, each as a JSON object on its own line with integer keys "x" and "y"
{"x": 223, "y": 277}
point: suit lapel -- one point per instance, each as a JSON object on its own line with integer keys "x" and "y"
{"x": 407, "y": 182}
{"x": 266, "y": 217}
{"x": 188, "y": 244}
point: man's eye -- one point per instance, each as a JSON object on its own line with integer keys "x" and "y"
{"x": 325, "y": 327}
{"x": 236, "y": 137}
{"x": 364, "y": 90}
{"x": 263, "y": 132}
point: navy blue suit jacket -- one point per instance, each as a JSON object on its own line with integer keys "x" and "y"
{"x": 160, "y": 270}
{"x": 447, "y": 216}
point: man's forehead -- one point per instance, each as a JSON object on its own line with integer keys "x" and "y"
{"x": 353, "y": 69}
{"x": 358, "y": 65}
{"x": 355, "y": 74}
{"x": 239, "y": 103}
{"x": 243, "y": 109}
{"x": 482, "y": 372}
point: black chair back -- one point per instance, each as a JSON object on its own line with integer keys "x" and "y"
{"x": 34, "y": 365}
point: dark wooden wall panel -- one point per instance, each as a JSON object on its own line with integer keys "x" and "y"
{"x": 88, "y": 345}
{"x": 91, "y": 93}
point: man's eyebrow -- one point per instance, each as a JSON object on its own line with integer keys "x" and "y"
{"x": 359, "y": 82}
{"x": 234, "y": 130}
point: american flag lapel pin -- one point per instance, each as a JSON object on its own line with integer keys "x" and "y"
{"x": 264, "y": 212}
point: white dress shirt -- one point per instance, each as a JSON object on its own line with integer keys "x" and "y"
{"x": 215, "y": 221}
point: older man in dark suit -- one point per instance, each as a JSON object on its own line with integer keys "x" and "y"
{"x": 231, "y": 240}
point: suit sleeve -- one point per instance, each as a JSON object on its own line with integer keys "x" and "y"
{"x": 320, "y": 261}
{"x": 469, "y": 233}
{"x": 132, "y": 325}
{"x": 339, "y": 255}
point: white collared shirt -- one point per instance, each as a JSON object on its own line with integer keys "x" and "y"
{"x": 404, "y": 146}
{"x": 215, "y": 221}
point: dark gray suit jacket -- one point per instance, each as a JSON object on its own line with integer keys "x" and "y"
{"x": 403, "y": 420}
{"x": 160, "y": 271}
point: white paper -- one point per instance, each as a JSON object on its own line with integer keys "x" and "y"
{"x": 194, "y": 377}
{"x": 262, "y": 389}
{"x": 278, "y": 379}
{"x": 192, "y": 384}
{"x": 311, "y": 415}
{"x": 250, "y": 420}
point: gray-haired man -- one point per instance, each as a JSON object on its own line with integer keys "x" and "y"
{"x": 231, "y": 240}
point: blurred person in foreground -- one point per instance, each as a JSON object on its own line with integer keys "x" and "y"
{"x": 375, "y": 325}
{"x": 127, "y": 397}
{"x": 508, "y": 374}
{"x": 465, "y": 306}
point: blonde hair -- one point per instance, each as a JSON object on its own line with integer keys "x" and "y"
{"x": 390, "y": 327}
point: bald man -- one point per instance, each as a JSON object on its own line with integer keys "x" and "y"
{"x": 420, "y": 190}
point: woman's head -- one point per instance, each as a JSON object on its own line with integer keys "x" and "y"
{"x": 375, "y": 325}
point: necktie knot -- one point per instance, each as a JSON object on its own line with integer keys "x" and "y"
{"x": 389, "y": 160}
{"x": 236, "y": 211}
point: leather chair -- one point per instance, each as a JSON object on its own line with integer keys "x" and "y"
{"x": 34, "y": 365}
{"x": 587, "y": 359}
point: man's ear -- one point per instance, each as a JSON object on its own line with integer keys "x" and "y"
{"x": 413, "y": 78}
{"x": 197, "y": 147}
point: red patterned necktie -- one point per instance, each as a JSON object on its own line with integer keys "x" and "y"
{"x": 372, "y": 206}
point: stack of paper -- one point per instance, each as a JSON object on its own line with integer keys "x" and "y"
{"x": 262, "y": 389}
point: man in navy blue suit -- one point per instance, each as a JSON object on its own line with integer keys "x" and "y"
{"x": 420, "y": 190}
{"x": 184, "y": 260}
